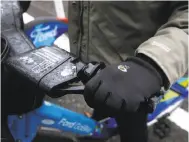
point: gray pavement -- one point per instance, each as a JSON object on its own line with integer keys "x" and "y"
{"x": 77, "y": 103}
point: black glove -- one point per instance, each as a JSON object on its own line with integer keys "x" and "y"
{"x": 123, "y": 87}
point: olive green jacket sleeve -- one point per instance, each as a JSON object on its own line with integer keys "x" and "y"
{"x": 169, "y": 46}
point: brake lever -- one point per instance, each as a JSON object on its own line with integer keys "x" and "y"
{"x": 77, "y": 89}
{"x": 73, "y": 90}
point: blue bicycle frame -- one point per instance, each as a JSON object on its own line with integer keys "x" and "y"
{"x": 25, "y": 127}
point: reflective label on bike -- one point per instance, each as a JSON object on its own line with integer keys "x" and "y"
{"x": 169, "y": 95}
{"x": 48, "y": 60}
{"x": 45, "y": 34}
{"x": 40, "y": 61}
{"x": 183, "y": 82}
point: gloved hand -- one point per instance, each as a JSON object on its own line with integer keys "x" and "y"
{"x": 123, "y": 87}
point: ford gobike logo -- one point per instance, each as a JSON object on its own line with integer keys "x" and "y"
{"x": 46, "y": 34}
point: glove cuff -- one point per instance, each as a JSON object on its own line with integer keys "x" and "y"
{"x": 149, "y": 66}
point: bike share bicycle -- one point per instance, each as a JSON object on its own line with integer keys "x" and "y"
{"x": 53, "y": 71}
{"x": 40, "y": 24}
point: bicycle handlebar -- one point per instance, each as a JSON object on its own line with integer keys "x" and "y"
{"x": 53, "y": 70}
